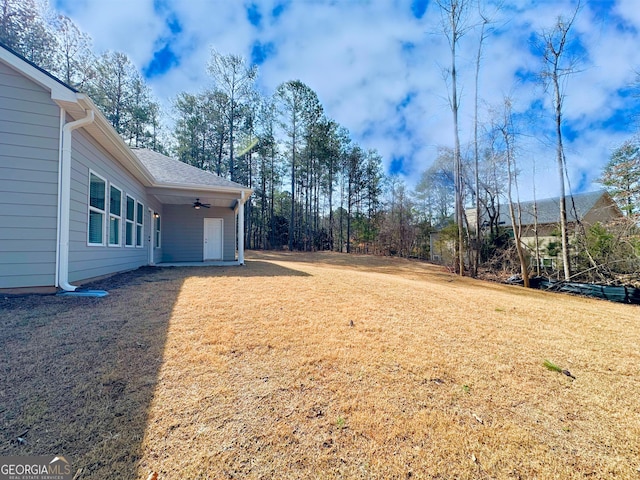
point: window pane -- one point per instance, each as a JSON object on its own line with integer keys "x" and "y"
{"x": 140, "y": 212}
{"x": 97, "y": 191}
{"x": 139, "y": 235}
{"x": 131, "y": 208}
{"x": 129, "y": 233}
{"x": 115, "y": 202}
{"x": 95, "y": 227}
{"x": 157, "y": 242}
{"x": 114, "y": 231}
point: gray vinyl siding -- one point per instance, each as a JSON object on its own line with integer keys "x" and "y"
{"x": 89, "y": 261}
{"x": 29, "y": 146}
{"x": 183, "y": 233}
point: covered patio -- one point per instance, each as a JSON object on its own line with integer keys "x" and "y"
{"x": 202, "y": 218}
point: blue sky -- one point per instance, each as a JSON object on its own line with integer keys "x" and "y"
{"x": 378, "y": 68}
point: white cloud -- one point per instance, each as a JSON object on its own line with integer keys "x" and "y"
{"x": 364, "y": 59}
{"x": 628, "y": 9}
{"x": 121, "y": 25}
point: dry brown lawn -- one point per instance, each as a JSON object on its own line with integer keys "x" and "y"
{"x": 321, "y": 366}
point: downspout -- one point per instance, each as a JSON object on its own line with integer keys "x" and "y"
{"x": 241, "y": 228}
{"x": 57, "y": 269}
{"x": 65, "y": 199}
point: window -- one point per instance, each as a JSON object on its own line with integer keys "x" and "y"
{"x": 97, "y": 205}
{"x": 157, "y": 230}
{"x": 129, "y": 232}
{"x": 139, "y": 223}
{"x": 115, "y": 215}
{"x": 544, "y": 262}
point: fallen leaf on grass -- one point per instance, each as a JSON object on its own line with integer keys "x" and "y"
{"x": 551, "y": 366}
{"x": 555, "y": 368}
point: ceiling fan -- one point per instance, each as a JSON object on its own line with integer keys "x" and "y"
{"x": 197, "y": 204}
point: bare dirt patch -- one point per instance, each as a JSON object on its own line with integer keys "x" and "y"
{"x": 322, "y": 366}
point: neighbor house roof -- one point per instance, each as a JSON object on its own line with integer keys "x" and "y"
{"x": 168, "y": 171}
{"x": 548, "y": 209}
{"x": 578, "y": 206}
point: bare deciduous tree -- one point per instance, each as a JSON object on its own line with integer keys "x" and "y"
{"x": 558, "y": 64}
{"x": 476, "y": 144}
{"x": 508, "y": 133}
{"x": 454, "y": 25}
{"x": 76, "y": 57}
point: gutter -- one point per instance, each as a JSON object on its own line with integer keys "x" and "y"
{"x": 64, "y": 198}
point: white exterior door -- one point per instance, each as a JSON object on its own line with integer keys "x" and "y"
{"x": 212, "y": 239}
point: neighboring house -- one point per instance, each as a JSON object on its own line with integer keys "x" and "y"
{"x": 77, "y": 203}
{"x": 590, "y": 208}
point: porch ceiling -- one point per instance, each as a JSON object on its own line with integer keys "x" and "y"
{"x": 225, "y": 201}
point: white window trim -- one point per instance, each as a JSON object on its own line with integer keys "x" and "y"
{"x": 157, "y": 232}
{"x": 133, "y": 223}
{"x": 119, "y": 217}
{"x": 94, "y": 209}
{"x": 139, "y": 238}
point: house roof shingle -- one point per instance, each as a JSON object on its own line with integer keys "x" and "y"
{"x": 548, "y": 209}
{"x": 172, "y": 172}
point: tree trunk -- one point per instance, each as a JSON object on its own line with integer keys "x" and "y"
{"x": 478, "y": 241}
{"x": 457, "y": 166}
{"x": 232, "y": 173}
{"x": 563, "y": 201}
{"x": 349, "y": 201}
{"x": 331, "y": 204}
{"x": 555, "y": 42}
{"x": 516, "y": 221}
{"x": 293, "y": 182}
{"x": 535, "y": 224}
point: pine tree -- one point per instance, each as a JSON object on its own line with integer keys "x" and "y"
{"x": 621, "y": 176}
{"x": 235, "y": 79}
